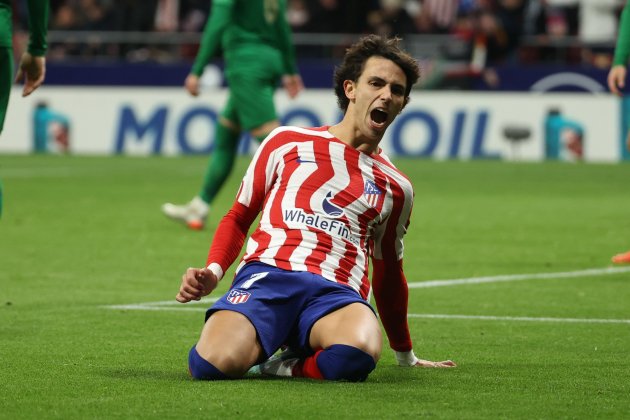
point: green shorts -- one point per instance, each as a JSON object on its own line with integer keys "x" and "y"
{"x": 6, "y": 80}
{"x": 252, "y": 77}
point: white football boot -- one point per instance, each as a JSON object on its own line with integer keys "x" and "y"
{"x": 280, "y": 364}
{"x": 193, "y": 213}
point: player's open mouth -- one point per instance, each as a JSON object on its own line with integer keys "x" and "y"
{"x": 378, "y": 116}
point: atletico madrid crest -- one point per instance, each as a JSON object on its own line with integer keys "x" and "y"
{"x": 237, "y": 296}
{"x": 371, "y": 193}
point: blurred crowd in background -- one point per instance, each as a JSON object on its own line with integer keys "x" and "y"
{"x": 495, "y": 31}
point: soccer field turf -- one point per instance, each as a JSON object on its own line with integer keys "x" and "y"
{"x": 508, "y": 266}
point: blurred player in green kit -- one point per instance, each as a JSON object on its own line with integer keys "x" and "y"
{"x": 32, "y": 66}
{"x": 256, "y": 42}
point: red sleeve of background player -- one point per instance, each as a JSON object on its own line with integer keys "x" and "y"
{"x": 391, "y": 294}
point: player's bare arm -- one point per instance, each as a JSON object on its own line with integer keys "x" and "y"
{"x": 196, "y": 283}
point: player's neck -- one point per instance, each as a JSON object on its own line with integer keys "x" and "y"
{"x": 352, "y": 136}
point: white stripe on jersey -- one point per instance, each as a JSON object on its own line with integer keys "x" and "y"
{"x": 309, "y": 241}
{"x": 245, "y": 193}
{"x": 339, "y": 182}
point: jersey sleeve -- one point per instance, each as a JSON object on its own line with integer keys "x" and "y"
{"x": 622, "y": 50}
{"x": 251, "y": 196}
{"x": 391, "y": 295}
{"x": 234, "y": 225}
{"x": 38, "y": 11}
{"x": 389, "y": 284}
{"x": 220, "y": 18}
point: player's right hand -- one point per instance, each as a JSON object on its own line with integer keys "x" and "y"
{"x": 196, "y": 283}
{"x": 192, "y": 84}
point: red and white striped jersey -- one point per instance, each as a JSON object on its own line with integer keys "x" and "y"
{"x": 326, "y": 207}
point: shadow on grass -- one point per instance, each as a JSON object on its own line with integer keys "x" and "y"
{"x": 146, "y": 374}
{"x": 386, "y": 375}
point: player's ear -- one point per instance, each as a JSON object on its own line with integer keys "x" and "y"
{"x": 349, "y": 88}
{"x": 405, "y": 103}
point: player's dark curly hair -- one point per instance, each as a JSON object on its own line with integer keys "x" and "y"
{"x": 369, "y": 46}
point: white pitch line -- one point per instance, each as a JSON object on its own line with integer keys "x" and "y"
{"x": 173, "y": 302}
{"x": 59, "y": 172}
{"x": 519, "y": 277}
{"x": 522, "y": 318}
{"x": 173, "y": 305}
{"x": 166, "y": 305}
{"x": 146, "y": 307}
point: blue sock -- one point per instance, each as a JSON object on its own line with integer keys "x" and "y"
{"x": 345, "y": 362}
{"x": 200, "y": 368}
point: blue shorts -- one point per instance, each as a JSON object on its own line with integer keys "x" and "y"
{"x": 284, "y": 305}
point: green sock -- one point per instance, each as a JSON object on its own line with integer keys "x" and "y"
{"x": 220, "y": 163}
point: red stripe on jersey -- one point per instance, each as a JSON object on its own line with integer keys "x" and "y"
{"x": 346, "y": 264}
{"x": 260, "y": 191}
{"x": 316, "y": 180}
{"x": 388, "y": 244}
{"x": 353, "y": 191}
{"x": 260, "y": 181}
{"x": 366, "y": 219}
{"x": 293, "y": 236}
{"x": 365, "y": 285}
{"x": 263, "y": 239}
{"x": 380, "y": 180}
{"x": 324, "y": 246}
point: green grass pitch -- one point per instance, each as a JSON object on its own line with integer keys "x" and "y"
{"x": 82, "y": 240}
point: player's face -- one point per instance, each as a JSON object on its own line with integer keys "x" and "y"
{"x": 377, "y": 97}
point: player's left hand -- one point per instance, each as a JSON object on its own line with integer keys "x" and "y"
{"x": 430, "y": 364}
{"x": 33, "y": 70}
{"x": 409, "y": 359}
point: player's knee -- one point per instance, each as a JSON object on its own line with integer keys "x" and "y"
{"x": 345, "y": 362}
{"x": 200, "y": 368}
{"x": 370, "y": 346}
{"x": 230, "y": 364}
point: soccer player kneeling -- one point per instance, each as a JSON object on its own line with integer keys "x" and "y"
{"x": 329, "y": 200}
